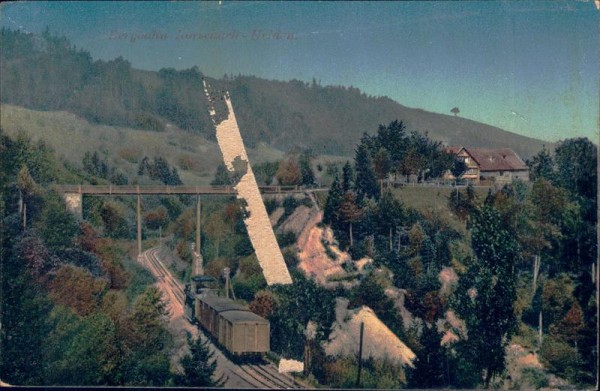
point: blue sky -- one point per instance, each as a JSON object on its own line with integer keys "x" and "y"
{"x": 527, "y": 67}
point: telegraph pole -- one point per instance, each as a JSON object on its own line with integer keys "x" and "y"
{"x": 139, "y": 224}
{"x": 360, "y": 349}
{"x": 198, "y": 255}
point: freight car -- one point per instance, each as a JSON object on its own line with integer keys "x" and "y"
{"x": 237, "y": 329}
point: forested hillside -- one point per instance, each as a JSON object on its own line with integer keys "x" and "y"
{"x": 47, "y": 73}
{"x": 516, "y": 275}
{"x": 76, "y": 309}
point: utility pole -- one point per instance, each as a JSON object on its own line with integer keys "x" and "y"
{"x": 226, "y": 275}
{"x": 139, "y": 224}
{"x": 360, "y": 349}
{"x": 198, "y": 255}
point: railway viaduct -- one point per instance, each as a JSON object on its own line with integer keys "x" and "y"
{"x": 73, "y": 197}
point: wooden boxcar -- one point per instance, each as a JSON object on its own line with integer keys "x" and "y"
{"x": 236, "y": 328}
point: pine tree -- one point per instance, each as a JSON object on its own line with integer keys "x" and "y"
{"x": 350, "y": 213}
{"x": 382, "y": 167}
{"x": 222, "y": 177}
{"x": 347, "y": 176}
{"x": 306, "y": 173}
{"x": 365, "y": 185}
{"x": 199, "y": 366}
{"x": 332, "y": 205}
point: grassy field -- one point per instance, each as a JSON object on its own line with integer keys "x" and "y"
{"x": 71, "y": 137}
{"x": 434, "y": 200}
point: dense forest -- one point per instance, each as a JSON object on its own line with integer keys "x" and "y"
{"x": 326, "y": 119}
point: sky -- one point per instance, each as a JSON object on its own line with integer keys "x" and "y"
{"x": 527, "y": 67}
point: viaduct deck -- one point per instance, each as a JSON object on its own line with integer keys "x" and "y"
{"x": 197, "y": 190}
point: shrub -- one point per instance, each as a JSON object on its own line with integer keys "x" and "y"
{"x": 187, "y": 162}
{"x": 560, "y": 358}
{"x": 306, "y": 202}
{"x": 534, "y": 378}
{"x": 286, "y": 238}
{"x": 131, "y": 154}
{"x": 271, "y": 204}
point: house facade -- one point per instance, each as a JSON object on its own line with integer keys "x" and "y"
{"x": 497, "y": 165}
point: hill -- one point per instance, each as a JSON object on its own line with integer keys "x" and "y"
{"x": 71, "y": 136}
{"x": 46, "y": 73}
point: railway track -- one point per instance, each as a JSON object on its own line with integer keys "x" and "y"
{"x": 263, "y": 376}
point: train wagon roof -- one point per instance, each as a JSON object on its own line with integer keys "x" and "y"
{"x": 220, "y": 304}
{"x": 243, "y": 317}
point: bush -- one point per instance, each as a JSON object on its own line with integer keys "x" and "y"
{"x": 131, "y": 154}
{"x": 243, "y": 247}
{"x": 286, "y": 238}
{"x": 289, "y": 204}
{"x": 306, "y": 202}
{"x": 271, "y": 204}
{"x": 187, "y": 162}
{"x": 560, "y": 358}
{"x": 533, "y": 378}
{"x": 246, "y": 287}
{"x": 290, "y": 258}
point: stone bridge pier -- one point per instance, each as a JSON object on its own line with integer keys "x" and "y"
{"x": 73, "y": 201}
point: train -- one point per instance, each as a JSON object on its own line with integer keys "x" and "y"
{"x": 239, "y": 331}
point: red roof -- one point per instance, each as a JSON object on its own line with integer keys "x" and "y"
{"x": 453, "y": 150}
{"x": 493, "y": 159}
{"x": 501, "y": 159}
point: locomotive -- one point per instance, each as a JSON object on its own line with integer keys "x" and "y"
{"x": 233, "y": 326}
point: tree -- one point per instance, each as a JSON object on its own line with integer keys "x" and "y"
{"x": 76, "y": 288}
{"x": 487, "y": 293}
{"x": 569, "y": 327}
{"x": 113, "y": 217}
{"x": 350, "y": 212}
{"x": 365, "y": 185}
{"x": 288, "y": 173}
{"x": 217, "y": 230}
{"x": 382, "y": 167}
{"x": 265, "y": 172}
{"x": 455, "y": 111}
{"x": 576, "y": 161}
{"x": 297, "y": 304}
{"x": 264, "y": 304}
{"x": 545, "y": 213}
{"x": 347, "y": 176}
{"x": 57, "y": 226}
{"x": 389, "y": 215}
{"x": 431, "y": 366}
{"x": 198, "y": 366}
{"x": 222, "y": 177}
{"x": 332, "y": 205}
{"x": 458, "y": 168}
{"x": 541, "y": 166}
{"x": 306, "y": 173}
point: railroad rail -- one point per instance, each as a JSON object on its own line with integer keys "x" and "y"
{"x": 196, "y": 190}
{"x": 262, "y": 376}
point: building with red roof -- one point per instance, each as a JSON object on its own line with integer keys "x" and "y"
{"x": 498, "y": 165}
